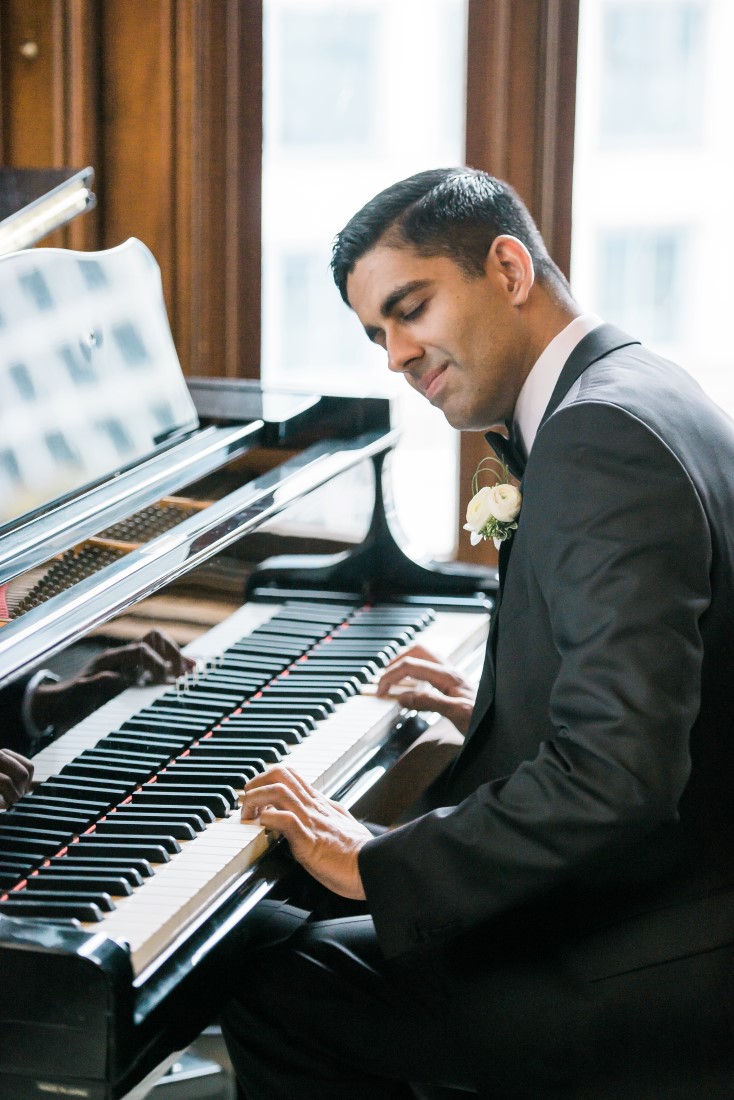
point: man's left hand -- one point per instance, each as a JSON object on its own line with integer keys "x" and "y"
{"x": 323, "y": 836}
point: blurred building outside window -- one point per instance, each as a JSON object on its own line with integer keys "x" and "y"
{"x": 357, "y": 94}
{"x": 653, "y": 169}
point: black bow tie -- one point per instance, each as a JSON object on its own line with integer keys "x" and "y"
{"x": 509, "y": 449}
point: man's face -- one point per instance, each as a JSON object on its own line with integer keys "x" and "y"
{"x": 458, "y": 339}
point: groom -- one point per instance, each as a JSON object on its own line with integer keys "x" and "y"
{"x": 558, "y": 919}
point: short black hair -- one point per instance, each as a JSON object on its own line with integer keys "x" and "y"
{"x": 454, "y": 212}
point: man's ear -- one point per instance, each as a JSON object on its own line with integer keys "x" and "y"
{"x": 510, "y": 260}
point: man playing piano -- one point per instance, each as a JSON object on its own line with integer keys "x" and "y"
{"x": 557, "y": 917}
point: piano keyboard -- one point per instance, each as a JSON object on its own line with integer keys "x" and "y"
{"x": 159, "y": 760}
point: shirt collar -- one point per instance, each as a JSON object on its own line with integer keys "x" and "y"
{"x": 540, "y": 383}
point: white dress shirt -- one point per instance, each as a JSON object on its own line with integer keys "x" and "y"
{"x": 540, "y": 383}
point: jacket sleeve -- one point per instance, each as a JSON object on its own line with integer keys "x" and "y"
{"x": 618, "y": 545}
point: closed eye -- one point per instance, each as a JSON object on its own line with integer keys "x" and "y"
{"x": 415, "y": 313}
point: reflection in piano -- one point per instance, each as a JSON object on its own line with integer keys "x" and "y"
{"x": 125, "y": 872}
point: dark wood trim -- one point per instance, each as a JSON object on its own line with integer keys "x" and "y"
{"x": 520, "y": 112}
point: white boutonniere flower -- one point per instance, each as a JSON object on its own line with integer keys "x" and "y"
{"x": 493, "y": 510}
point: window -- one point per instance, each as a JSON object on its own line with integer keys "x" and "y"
{"x": 652, "y": 231}
{"x": 652, "y": 72}
{"x": 328, "y": 72}
{"x": 357, "y": 94}
{"x": 642, "y": 281}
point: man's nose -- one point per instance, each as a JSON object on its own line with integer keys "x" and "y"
{"x": 402, "y": 351}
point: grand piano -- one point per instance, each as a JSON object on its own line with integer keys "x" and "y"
{"x": 126, "y": 877}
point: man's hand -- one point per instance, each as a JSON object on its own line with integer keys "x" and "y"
{"x": 155, "y": 659}
{"x": 422, "y": 682}
{"x": 16, "y": 774}
{"x": 323, "y": 836}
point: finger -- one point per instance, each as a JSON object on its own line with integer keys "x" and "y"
{"x": 278, "y": 773}
{"x": 15, "y": 775}
{"x": 131, "y": 662}
{"x": 416, "y": 651}
{"x": 283, "y": 822}
{"x": 169, "y": 651}
{"x": 23, "y": 762}
{"x": 280, "y": 796}
{"x": 440, "y": 677}
{"x": 457, "y": 710}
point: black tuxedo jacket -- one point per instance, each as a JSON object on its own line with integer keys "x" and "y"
{"x": 594, "y": 787}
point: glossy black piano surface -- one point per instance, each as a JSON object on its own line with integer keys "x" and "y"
{"x": 95, "y": 997}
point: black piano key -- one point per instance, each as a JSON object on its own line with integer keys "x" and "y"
{"x": 90, "y": 767}
{"x": 83, "y": 911}
{"x": 222, "y": 685}
{"x": 305, "y": 691}
{"x": 302, "y": 709}
{"x": 267, "y": 647}
{"x": 184, "y": 711}
{"x": 270, "y": 754}
{"x": 348, "y": 684}
{"x": 33, "y": 848}
{"x": 80, "y": 787}
{"x": 11, "y": 833}
{"x": 194, "y": 776}
{"x": 216, "y": 800}
{"x": 67, "y": 869}
{"x": 232, "y": 748}
{"x": 105, "y": 846}
{"x": 167, "y": 834}
{"x": 142, "y": 824}
{"x": 290, "y": 732}
{"x": 167, "y": 723}
{"x": 14, "y": 865}
{"x": 377, "y": 634}
{"x": 117, "y": 886}
{"x": 103, "y": 750}
{"x": 290, "y": 629}
{"x": 8, "y": 879}
{"x": 198, "y": 821}
{"x": 157, "y": 741}
{"x": 195, "y": 702}
{"x": 121, "y": 864}
{"x": 253, "y": 663}
{"x": 42, "y": 800}
{"x": 380, "y": 657}
{"x": 28, "y": 816}
{"x": 362, "y": 670}
{"x": 76, "y": 897}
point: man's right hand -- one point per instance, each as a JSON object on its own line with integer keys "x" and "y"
{"x": 16, "y": 773}
{"x": 423, "y": 682}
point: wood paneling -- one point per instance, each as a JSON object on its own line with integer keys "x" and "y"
{"x": 162, "y": 98}
{"x": 521, "y": 93}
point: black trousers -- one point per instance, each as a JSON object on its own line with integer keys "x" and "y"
{"x": 321, "y": 1015}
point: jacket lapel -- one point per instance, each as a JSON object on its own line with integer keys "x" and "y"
{"x": 594, "y": 346}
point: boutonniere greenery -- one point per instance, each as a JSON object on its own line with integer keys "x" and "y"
{"x": 493, "y": 510}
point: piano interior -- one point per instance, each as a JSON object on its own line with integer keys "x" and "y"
{"x": 140, "y": 499}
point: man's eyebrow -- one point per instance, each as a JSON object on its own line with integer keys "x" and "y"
{"x": 394, "y": 299}
{"x": 400, "y": 292}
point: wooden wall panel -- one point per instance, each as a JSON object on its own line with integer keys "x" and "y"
{"x": 48, "y": 83}
{"x": 163, "y": 99}
{"x": 521, "y": 94}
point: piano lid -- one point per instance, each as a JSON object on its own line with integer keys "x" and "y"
{"x": 90, "y": 382}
